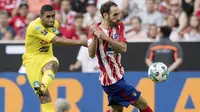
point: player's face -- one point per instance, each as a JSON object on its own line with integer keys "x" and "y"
{"x": 114, "y": 16}
{"x": 48, "y": 18}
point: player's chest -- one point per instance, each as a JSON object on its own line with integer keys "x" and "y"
{"x": 52, "y": 29}
{"x": 112, "y": 33}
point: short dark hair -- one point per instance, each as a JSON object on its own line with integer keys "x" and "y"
{"x": 105, "y": 8}
{"x": 23, "y": 5}
{"x": 166, "y": 31}
{"x": 46, "y": 8}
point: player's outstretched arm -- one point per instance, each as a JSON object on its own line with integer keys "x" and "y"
{"x": 63, "y": 41}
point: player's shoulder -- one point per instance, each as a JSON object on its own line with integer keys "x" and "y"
{"x": 35, "y": 24}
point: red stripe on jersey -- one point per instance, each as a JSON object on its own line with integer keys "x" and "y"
{"x": 105, "y": 45}
{"x": 118, "y": 63}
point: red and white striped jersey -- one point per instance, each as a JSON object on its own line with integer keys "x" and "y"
{"x": 109, "y": 61}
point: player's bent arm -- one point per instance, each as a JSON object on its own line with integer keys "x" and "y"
{"x": 175, "y": 65}
{"x": 119, "y": 47}
{"x": 148, "y": 62}
{"x": 92, "y": 48}
{"x": 63, "y": 41}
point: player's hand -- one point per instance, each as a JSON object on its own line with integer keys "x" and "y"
{"x": 93, "y": 28}
{"x": 100, "y": 35}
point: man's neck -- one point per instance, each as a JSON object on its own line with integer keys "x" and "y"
{"x": 105, "y": 25}
{"x": 92, "y": 15}
{"x": 66, "y": 12}
{"x": 138, "y": 30}
{"x": 151, "y": 11}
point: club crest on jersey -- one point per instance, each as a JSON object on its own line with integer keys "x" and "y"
{"x": 116, "y": 36}
{"x": 38, "y": 27}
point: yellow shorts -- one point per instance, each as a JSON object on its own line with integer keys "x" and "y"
{"x": 34, "y": 69}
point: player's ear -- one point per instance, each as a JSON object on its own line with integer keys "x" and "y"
{"x": 105, "y": 15}
{"x": 41, "y": 16}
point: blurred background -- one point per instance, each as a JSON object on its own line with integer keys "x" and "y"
{"x": 142, "y": 19}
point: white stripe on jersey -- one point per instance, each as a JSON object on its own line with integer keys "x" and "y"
{"x": 105, "y": 63}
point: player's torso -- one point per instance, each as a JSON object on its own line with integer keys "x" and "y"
{"x": 36, "y": 47}
{"x": 109, "y": 60}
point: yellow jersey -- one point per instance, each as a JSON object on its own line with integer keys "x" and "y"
{"x": 38, "y": 40}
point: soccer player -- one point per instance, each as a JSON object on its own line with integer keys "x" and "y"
{"x": 38, "y": 59}
{"x": 107, "y": 41}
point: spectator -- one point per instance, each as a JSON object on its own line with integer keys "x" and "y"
{"x": 165, "y": 51}
{"x": 163, "y": 7}
{"x": 21, "y": 34}
{"x": 83, "y": 60}
{"x": 7, "y": 36}
{"x": 8, "y": 5}
{"x": 179, "y": 14}
{"x": 134, "y": 8}
{"x": 153, "y": 32}
{"x": 79, "y": 6}
{"x": 193, "y": 32}
{"x": 87, "y": 64}
{"x": 196, "y": 5}
{"x": 62, "y": 105}
{"x": 4, "y": 26}
{"x": 17, "y": 4}
{"x": 56, "y": 4}
{"x": 76, "y": 30}
{"x": 136, "y": 33}
{"x": 92, "y": 14}
{"x": 19, "y": 20}
{"x": 67, "y": 14}
{"x": 151, "y": 16}
{"x": 171, "y": 22}
{"x": 188, "y": 6}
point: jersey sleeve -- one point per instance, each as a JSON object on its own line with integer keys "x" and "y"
{"x": 40, "y": 32}
{"x": 180, "y": 50}
{"x": 122, "y": 37}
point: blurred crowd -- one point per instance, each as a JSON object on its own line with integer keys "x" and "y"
{"x": 141, "y": 17}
